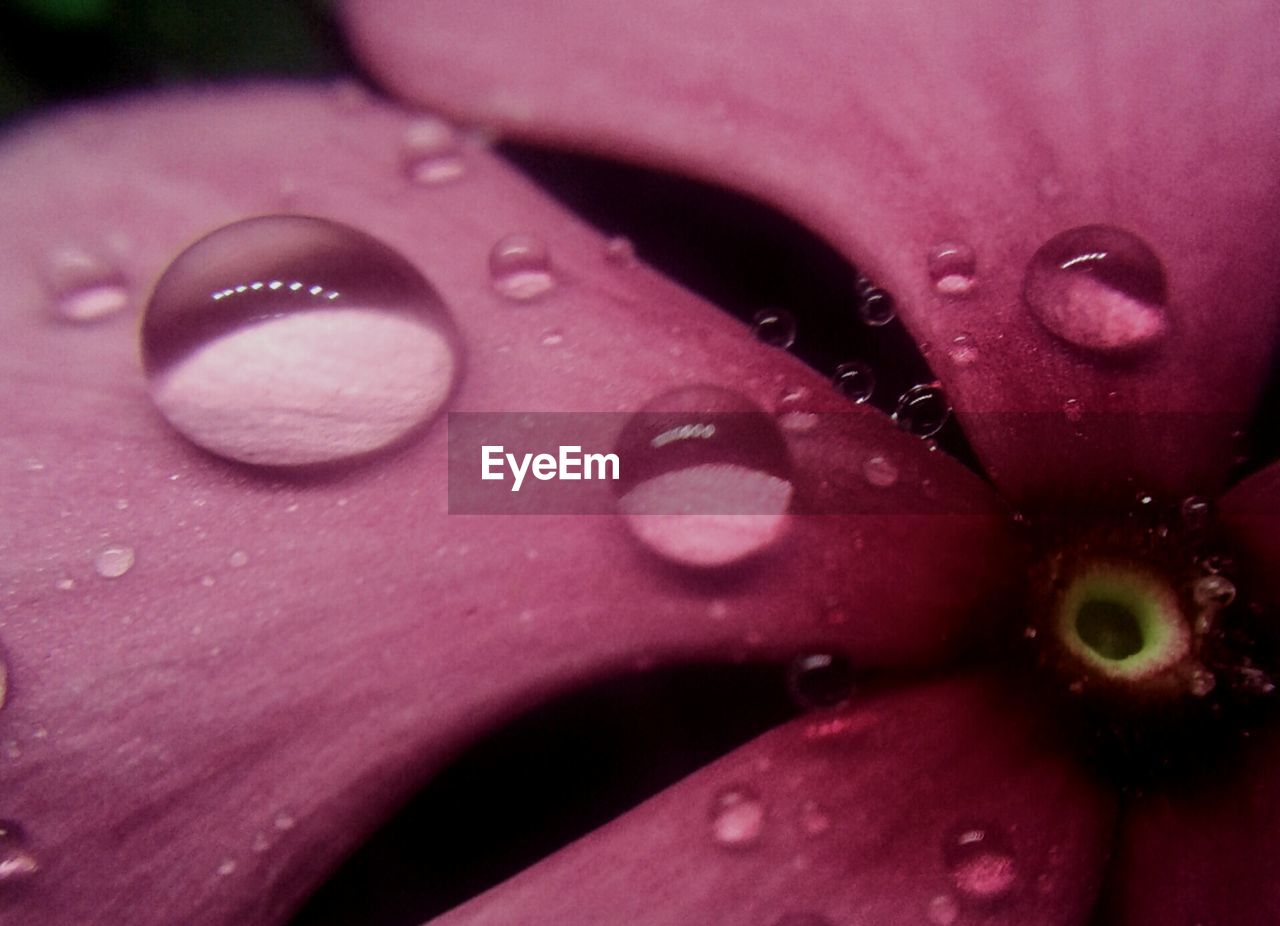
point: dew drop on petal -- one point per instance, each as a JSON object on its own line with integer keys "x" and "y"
{"x": 16, "y": 860}
{"x": 1072, "y": 410}
{"x": 294, "y": 341}
{"x": 113, "y": 562}
{"x": 1100, "y": 289}
{"x": 84, "y": 286}
{"x": 963, "y": 350}
{"x": 922, "y": 410}
{"x": 814, "y": 820}
{"x": 876, "y": 307}
{"x": 706, "y": 478}
{"x": 1215, "y": 563}
{"x": 619, "y": 251}
{"x": 952, "y": 268}
{"x": 981, "y": 862}
{"x": 880, "y": 471}
{"x": 820, "y": 681}
{"x": 1201, "y": 682}
{"x": 1213, "y": 591}
{"x": 429, "y": 152}
{"x": 775, "y": 327}
{"x": 943, "y": 910}
{"x": 552, "y": 337}
{"x": 737, "y": 817}
{"x": 520, "y": 268}
{"x": 855, "y": 381}
{"x": 238, "y": 559}
{"x": 1196, "y": 513}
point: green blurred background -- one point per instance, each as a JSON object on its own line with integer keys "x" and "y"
{"x": 56, "y": 50}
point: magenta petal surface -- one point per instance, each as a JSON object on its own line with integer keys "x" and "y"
{"x": 892, "y": 128}
{"x": 198, "y": 739}
{"x": 849, "y": 816}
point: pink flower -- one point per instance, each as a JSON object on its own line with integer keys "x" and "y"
{"x": 219, "y": 680}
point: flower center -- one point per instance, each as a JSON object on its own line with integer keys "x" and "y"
{"x": 1122, "y": 622}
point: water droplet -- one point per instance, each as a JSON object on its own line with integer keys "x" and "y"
{"x": 855, "y": 381}
{"x": 963, "y": 350}
{"x": 1213, "y": 591}
{"x": 552, "y": 337}
{"x": 943, "y": 910}
{"x": 922, "y": 410}
{"x": 520, "y": 268}
{"x": 737, "y": 817}
{"x": 876, "y": 308}
{"x": 1073, "y": 410}
{"x": 113, "y": 562}
{"x": 84, "y": 286}
{"x": 291, "y": 341}
{"x": 1201, "y": 682}
{"x": 1098, "y": 288}
{"x": 32, "y": 465}
{"x": 238, "y": 559}
{"x": 819, "y": 681}
{"x": 429, "y": 152}
{"x": 16, "y": 861}
{"x": 980, "y": 860}
{"x": 619, "y": 251}
{"x": 1196, "y": 513}
{"x": 283, "y": 822}
{"x": 706, "y": 478}
{"x": 1215, "y": 563}
{"x": 814, "y": 821}
{"x": 227, "y": 867}
{"x": 775, "y": 327}
{"x": 951, "y": 268}
{"x": 880, "y": 471}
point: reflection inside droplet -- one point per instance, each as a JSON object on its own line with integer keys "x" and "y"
{"x": 429, "y": 152}
{"x": 290, "y": 341}
{"x": 520, "y": 268}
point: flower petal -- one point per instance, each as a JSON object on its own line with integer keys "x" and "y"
{"x": 931, "y": 805}
{"x": 260, "y": 667}
{"x": 889, "y": 129}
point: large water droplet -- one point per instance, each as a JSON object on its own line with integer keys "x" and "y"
{"x": 820, "y": 681}
{"x": 706, "y": 478}
{"x": 16, "y": 861}
{"x": 1100, "y": 289}
{"x": 84, "y": 286}
{"x": 520, "y": 268}
{"x": 951, "y": 268}
{"x": 291, "y": 341}
{"x": 429, "y": 152}
{"x": 737, "y": 817}
{"x": 876, "y": 307}
{"x": 775, "y": 327}
{"x": 922, "y": 410}
{"x": 981, "y": 861}
{"x": 113, "y": 562}
{"x": 855, "y": 381}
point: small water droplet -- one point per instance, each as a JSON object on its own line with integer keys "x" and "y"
{"x": 876, "y": 308}
{"x": 553, "y": 337}
{"x": 237, "y": 559}
{"x": 943, "y": 910}
{"x": 1215, "y": 563}
{"x": 980, "y": 860}
{"x": 1072, "y": 410}
{"x": 1213, "y": 591}
{"x": 1201, "y": 682}
{"x": 952, "y": 267}
{"x": 283, "y": 822}
{"x": 32, "y": 465}
{"x": 880, "y": 471}
{"x": 227, "y": 867}
{"x": 520, "y": 268}
{"x": 922, "y": 410}
{"x": 113, "y": 562}
{"x": 1098, "y": 288}
{"x": 820, "y": 681}
{"x": 84, "y": 286}
{"x": 706, "y": 478}
{"x": 294, "y": 341}
{"x": 737, "y": 817}
{"x": 429, "y": 152}
{"x": 1196, "y": 513}
{"x": 963, "y": 350}
{"x": 855, "y": 381}
{"x": 814, "y": 820}
{"x": 1145, "y": 499}
{"x": 775, "y": 327}
{"x": 16, "y": 861}
{"x": 619, "y": 251}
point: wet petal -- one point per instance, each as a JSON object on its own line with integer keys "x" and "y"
{"x": 935, "y": 805}
{"x": 220, "y": 677}
{"x": 891, "y": 130}
{"x": 1206, "y": 855}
